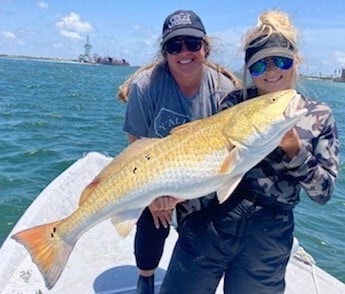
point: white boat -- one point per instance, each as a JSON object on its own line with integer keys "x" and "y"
{"x": 101, "y": 261}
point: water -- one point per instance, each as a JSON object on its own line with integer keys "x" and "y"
{"x": 52, "y": 113}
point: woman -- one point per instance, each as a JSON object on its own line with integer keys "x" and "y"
{"x": 248, "y": 239}
{"x": 181, "y": 87}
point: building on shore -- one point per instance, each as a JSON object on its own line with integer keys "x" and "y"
{"x": 341, "y": 78}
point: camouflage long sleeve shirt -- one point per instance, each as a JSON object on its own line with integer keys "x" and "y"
{"x": 277, "y": 180}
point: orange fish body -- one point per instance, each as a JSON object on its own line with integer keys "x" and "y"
{"x": 196, "y": 159}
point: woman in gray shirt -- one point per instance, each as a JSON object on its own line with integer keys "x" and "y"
{"x": 182, "y": 87}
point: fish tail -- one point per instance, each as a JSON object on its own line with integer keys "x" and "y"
{"x": 48, "y": 251}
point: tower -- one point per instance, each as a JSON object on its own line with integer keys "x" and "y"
{"x": 87, "y": 47}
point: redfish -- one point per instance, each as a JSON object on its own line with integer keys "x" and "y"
{"x": 196, "y": 159}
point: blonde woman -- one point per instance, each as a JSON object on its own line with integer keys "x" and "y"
{"x": 248, "y": 239}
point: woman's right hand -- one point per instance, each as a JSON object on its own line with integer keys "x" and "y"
{"x": 161, "y": 210}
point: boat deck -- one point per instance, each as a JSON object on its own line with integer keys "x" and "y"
{"x": 101, "y": 261}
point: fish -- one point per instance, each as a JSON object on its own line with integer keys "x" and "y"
{"x": 195, "y": 159}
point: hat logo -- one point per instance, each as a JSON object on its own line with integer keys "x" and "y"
{"x": 180, "y": 19}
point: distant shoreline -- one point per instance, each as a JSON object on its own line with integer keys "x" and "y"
{"x": 37, "y": 58}
{"x": 323, "y": 78}
{"x": 59, "y": 59}
{"x": 56, "y": 59}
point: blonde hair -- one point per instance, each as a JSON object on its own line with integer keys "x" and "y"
{"x": 161, "y": 59}
{"x": 123, "y": 91}
{"x": 269, "y": 23}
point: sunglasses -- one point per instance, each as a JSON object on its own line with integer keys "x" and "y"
{"x": 174, "y": 46}
{"x": 259, "y": 67}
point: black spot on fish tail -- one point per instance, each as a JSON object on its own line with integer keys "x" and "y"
{"x": 53, "y": 233}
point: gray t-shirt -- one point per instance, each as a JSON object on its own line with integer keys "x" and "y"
{"x": 156, "y": 105}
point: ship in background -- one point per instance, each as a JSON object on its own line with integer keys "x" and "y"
{"x": 97, "y": 59}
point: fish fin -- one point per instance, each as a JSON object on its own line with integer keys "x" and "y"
{"x": 125, "y": 221}
{"x": 125, "y": 227}
{"x": 184, "y": 126}
{"x": 116, "y": 165}
{"x": 138, "y": 145}
{"x": 225, "y": 191}
{"x": 48, "y": 251}
{"x": 229, "y": 162}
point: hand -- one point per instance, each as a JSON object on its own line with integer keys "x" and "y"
{"x": 291, "y": 143}
{"x": 161, "y": 210}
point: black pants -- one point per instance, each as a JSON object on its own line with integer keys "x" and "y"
{"x": 149, "y": 242}
{"x": 249, "y": 245}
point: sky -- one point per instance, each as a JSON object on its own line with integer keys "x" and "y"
{"x": 131, "y": 29}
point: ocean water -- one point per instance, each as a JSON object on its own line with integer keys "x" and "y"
{"x": 52, "y": 113}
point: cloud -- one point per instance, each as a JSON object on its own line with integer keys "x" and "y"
{"x": 58, "y": 45}
{"x": 340, "y": 57}
{"x": 8, "y": 35}
{"x": 71, "y": 26}
{"x": 70, "y": 34}
{"x": 42, "y": 4}
{"x": 136, "y": 26}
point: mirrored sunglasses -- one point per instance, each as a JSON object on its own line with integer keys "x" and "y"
{"x": 259, "y": 67}
{"x": 174, "y": 46}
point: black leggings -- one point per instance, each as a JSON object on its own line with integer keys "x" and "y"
{"x": 149, "y": 242}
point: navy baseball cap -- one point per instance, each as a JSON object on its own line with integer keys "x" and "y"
{"x": 182, "y": 23}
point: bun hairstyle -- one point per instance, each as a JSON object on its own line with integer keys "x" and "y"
{"x": 270, "y": 23}
{"x": 273, "y": 32}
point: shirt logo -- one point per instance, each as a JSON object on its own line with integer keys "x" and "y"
{"x": 166, "y": 120}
